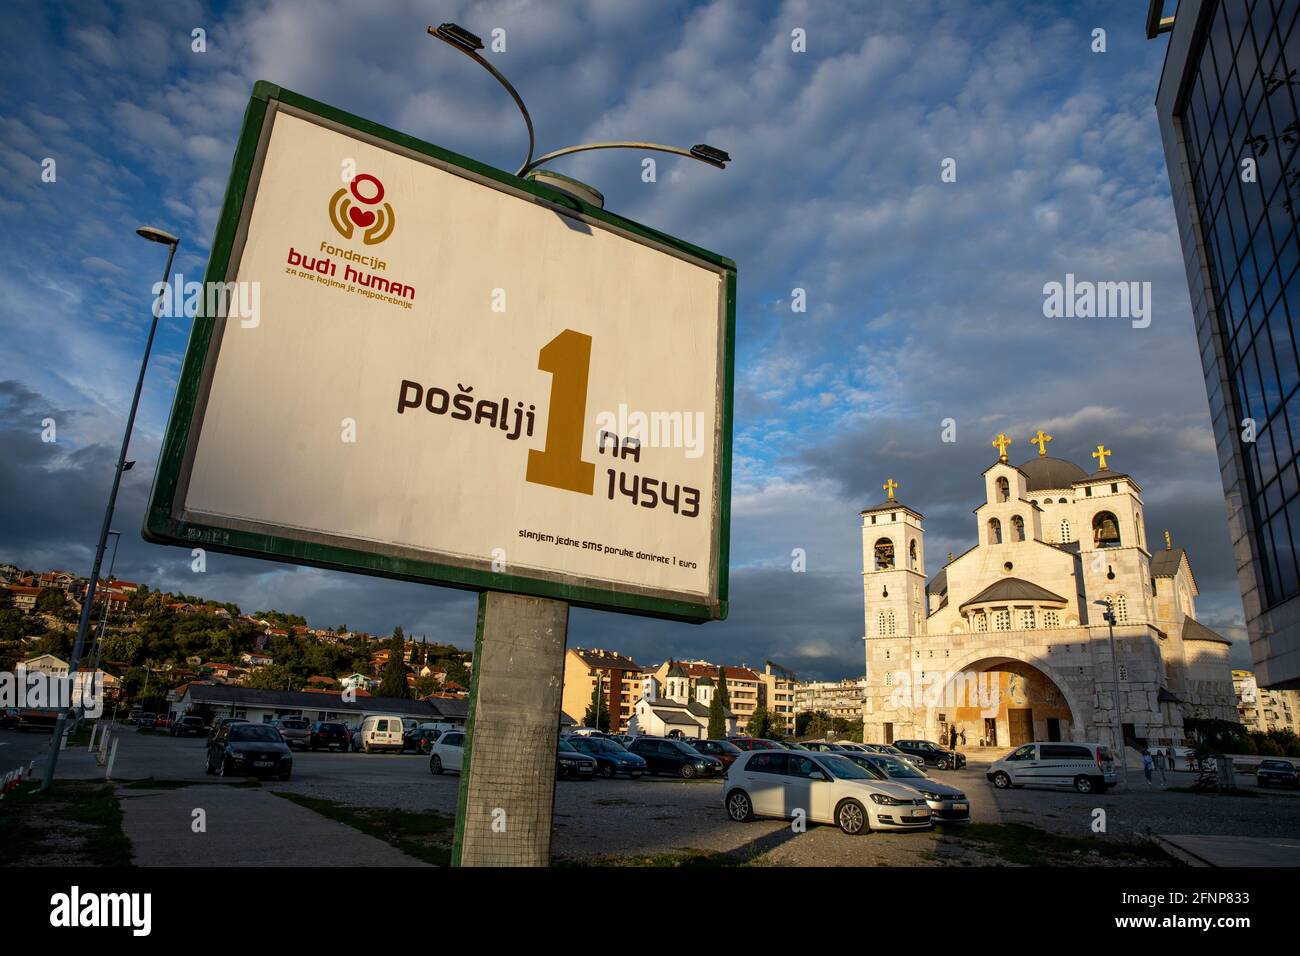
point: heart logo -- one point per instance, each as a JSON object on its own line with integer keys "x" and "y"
{"x": 362, "y": 217}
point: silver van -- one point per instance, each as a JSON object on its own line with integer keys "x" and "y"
{"x": 1087, "y": 767}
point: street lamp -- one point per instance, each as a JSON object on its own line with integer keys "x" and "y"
{"x": 153, "y": 234}
{"x": 1114, "y": 668}
{"x": 469, "y": 44}
{"x": 103, "y": 627}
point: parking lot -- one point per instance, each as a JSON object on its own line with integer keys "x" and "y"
{"x": 654, "y": 817}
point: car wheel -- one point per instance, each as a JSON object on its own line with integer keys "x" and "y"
{"x": 687, "y": 771}
{"x": 851, "y": 817}
{"x": 1001, "y": 780}
{"x": 1083, "y": 784}
{"x": 435, "y": 764}
{"x": 941, "y": 763}
{"x": 739, "y": 807}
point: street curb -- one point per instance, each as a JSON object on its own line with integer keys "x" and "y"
{"x": 1178, "y": 853}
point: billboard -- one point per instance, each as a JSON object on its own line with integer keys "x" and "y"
{"x": 452, "y": 375}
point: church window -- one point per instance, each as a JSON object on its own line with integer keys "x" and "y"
{"x": 1051, "y": 619}
{"x": 1017, "y": 528}
{"x": 1027, "y": 619}
{"x": 1004, "y": 490}
{"x": 1121, "y": 609}
{"x": 884, "y": 549}
{"x": 1105, "y": 530}
{"x": 1034, "y": 502}
{"x": 995, "y": 531}
{"x": 1002, "y": 620}
{"x": 981, "y": 622}
{"x": 1114, "y": 488}
{"x": 911, "y": 555}
{"x": 1065, "y": 531}
{"x": 885, "y": 622}
{"x": 1138, "y": 529}
{"x": 1061, "y": 501}
{"x": 889, "y": 678}
{"x": 1123, "y": 672}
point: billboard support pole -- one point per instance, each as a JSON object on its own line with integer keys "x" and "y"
{"x": 507, "y": 785}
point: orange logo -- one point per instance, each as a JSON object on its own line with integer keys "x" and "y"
{"x": 346, "y": 216}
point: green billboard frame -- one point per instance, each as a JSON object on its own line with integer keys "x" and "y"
{"x": 164, "y": 524}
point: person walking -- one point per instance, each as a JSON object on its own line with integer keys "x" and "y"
{"x": 1160, "y": 768}
{"x": 1148, "y": 765}
{"x": 952, "y": 737}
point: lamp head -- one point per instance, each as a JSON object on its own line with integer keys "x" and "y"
{"x": 154, "y": 234}
{"x": 711, "y": 155}
{"x": 457, "y": 36}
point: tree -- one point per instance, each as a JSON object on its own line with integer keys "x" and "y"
{"x": 762, "y": 723}
{"x": 392, "y": 682}
{"x": 51, "y": 601}
{"x": 597, "y": 707}
{"x": 718, "y": 708}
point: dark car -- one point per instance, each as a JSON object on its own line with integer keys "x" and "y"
{"x": 188, "y": 727}
{"x": 662, "y": 755}
{"x": 220, "y": 722}
{"x": 420, "y": 738}
{"x": 724, "y": 750}
{"x": 931, "y": 753}
{"x": 294, "y": 730}
{"x": 611, "y": 757}
{"x": 1277, "y": 773}
{"x": 8, "y": 717}
{"x": 146, "y": 720}
{"x": 327, "y": 735}
{"x": 571, "y": 762}
{"x": 754, "y": 743}
{"x": 249, "y": 750}
{"x": 947, "y": 804}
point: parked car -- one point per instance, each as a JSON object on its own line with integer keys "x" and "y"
{"x": 378, "y": 733}
{"x": 611, "y": 757}
{"x": 221, "y": 722}
{"x": 420, "y": 737}
{"x": 822, "y": 746}
{"x": 146, "y": 720}
{"x": 1277, "y": 773}
{"x": 586, "y": 732}
{"x": 572, "y": 762}
{"x": 825, "y": 787}
{"x": 623, "y": 739}
{"x": 447, "y": 752}
{"x": 931, "y": 754}
{"x": 754, "y": 743}
{"x": 246, "y": 749}
{"x": 8, "y": 717}
{"x": 329, "y": 734}
{"x": 188, "y": 727}
{"x": 724, "y": 750}
{"x": 163, "y": 723}
{"x": 895, "y": 752}
{"x": 665, "y": 755}
{"x": 134, "y": 717}
{"x": 947, "y": 804}
{"x": 296, "y": 731}
{"x": 1088, "y": 767}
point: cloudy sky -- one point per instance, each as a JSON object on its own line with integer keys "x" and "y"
{"x": 924, "y": 297}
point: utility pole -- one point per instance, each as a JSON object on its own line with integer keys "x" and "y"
{"x": 1114, "y": 668}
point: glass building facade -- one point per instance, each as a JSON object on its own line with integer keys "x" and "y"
{"x": 1228, "y": 113}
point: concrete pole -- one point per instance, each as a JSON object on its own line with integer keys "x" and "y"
{"x": 507, "y": 784}
{"x": 1119, "y": 719}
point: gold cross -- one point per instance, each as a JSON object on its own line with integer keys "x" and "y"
{"x": 1041, "y": 440}
{"x": 1100, "y": 454}
{"x": 889, "y": 487}
{"x": 1168, "y": 541}
{"x": 1001, "y": 443}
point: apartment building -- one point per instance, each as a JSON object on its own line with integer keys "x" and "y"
{"x": 742, "y": 685}
{"x": 842, "y": 698}
{"x": 776, "y": 692}
{"x": 620, "y": 678}
{"x": 1262, "y": 709}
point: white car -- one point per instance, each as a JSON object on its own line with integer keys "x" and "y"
{"x": 1087, "y": 767}
{"x": 823, "y": 787}
{"x": 447, "y": 752}
{"x": 378, "y": 733}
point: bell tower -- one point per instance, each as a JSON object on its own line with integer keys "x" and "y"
{"x": 893, "y": 569}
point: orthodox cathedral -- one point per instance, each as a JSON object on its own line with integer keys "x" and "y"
{"x": 1009, "y": 642}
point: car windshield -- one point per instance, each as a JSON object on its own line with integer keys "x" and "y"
{"x": 293, "y": 724}
{"x": 259, "y": 732}
{"x": 895, "y": 767}
{"x": 601, "y": 745}
{"x": 844, "y": 768}
{"x": 332, "y": 728}
{"x": 685, "y": 748}
{"x": 726, "y": 747}
{"x": 567, "y": 747}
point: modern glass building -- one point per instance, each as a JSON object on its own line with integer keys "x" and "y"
{"x": 1227, "y": 106}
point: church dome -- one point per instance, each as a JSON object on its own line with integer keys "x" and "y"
{"x": 1044, "y": 473}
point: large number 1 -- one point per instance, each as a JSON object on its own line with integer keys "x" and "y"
{"x": 568, "y": 358}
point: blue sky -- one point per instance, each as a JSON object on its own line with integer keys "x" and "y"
{"x": 924, "y": 297}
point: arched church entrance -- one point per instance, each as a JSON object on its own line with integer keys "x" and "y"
{"x": 1003, "y": 701}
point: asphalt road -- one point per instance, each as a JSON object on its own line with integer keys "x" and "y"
{"x": 625, "y": 818}
{"x": 18, "y": 748}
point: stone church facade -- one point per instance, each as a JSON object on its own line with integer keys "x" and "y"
{"x": 1009, "y": 642}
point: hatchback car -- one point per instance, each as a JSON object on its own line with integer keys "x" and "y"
{"x": 447, "y": 752}
{"x": 611, "y": 757}
{"x": 931, "y": 753}
{"x": 947, "y": 804}
{"x": 328, "y": 735}
{"x": 1276, "y": 773}
{"x": 823, "y": 788}
{"x": 724, "y": 750}
{"x": 572, "y": 762}
{"x": 296, "y": 731}
{"x": 675, "y": 757}
{"x": 188, "y": 727}
{"x": 245, "y": 749}
{"x": 754, "y": 743}
{"x": 822, "y": 746}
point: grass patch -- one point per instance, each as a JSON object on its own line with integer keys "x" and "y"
{"x": 678, "y": 859}
{"x": 76, "y": 823}
{"x": 424, "y": 834}
{"x": 1214, "y": 793}
{"x": 1029, "y": 846}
